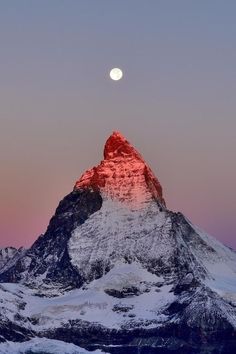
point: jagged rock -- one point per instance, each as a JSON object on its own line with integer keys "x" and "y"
{"x": 9, "y": 256}
{"x": 122, "y": 175}
{"x": 118, "y": 271}
{"x": 48, "y": 260}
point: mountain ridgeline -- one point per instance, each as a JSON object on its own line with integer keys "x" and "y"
{"x": 119, "y": 272}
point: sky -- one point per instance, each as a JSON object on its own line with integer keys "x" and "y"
{"x": 176, "y": 104}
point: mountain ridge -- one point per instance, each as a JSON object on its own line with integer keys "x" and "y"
{"x": 119, "y": 272}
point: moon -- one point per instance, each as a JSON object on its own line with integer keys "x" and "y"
{"x": 116, "y": 74}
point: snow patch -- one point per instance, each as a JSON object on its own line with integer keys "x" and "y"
{"x": 43, "y": 345}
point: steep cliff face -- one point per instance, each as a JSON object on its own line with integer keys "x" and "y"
{"x": 117, "y": 271}
{"x": 123, "y": 175}
{"x": 122, "y": 182}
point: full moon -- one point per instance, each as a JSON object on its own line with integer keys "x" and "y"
{"x": 116, "y": 74}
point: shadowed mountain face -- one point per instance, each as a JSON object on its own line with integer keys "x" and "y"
{"x": 48, "y": 260}
{"x": 117, "y": 271}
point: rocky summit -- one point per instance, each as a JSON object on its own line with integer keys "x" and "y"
{"x": 118, "y": 272}
{"x": 123, "y": 175}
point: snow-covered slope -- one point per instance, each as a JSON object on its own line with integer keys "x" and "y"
{"x": 126, "y": 294}
{"x": 117, "y": 271}
{"x": 116, "y": 233}
{"x": 43, "y": 345}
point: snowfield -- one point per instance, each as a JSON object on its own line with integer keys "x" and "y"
{"x": 93, "y": 303}
{"x": 43, "y": 345}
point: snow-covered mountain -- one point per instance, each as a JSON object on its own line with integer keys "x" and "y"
{"x": 119, "y": 272}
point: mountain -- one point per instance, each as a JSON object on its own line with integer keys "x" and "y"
{"x": 9, "y": 256}
{"x": 117, "y": 271}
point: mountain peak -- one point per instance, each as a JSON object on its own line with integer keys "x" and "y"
{"x": 123, "y": 174}
{"x": 117, "y": 146}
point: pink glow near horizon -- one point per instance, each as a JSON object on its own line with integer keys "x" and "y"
{"x": 26, "y": 211}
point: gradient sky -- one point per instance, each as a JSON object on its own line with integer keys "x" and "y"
{"x": 176, "y": 103}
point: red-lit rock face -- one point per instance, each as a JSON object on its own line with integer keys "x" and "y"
{"x": 117, "y": 146}
{"x": 123, "y": 174}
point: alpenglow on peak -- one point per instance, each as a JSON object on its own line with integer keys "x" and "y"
{"x": 117, "y": 271}
{"x": 122, "y": 175}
